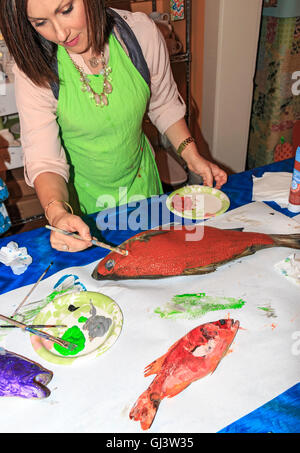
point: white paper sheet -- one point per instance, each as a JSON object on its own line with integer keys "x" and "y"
{"x": 256, "y": 216}
{"x": 97, "y": 395}
{"x": 272, "y": 186}
{"x": 297, "y": 218}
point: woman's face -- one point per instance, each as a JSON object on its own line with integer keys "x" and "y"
{"x": 60, "y": 21}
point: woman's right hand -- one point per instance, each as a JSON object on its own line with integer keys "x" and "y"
{"x": 51, "y": 189}
{"x": 73, "y": 223}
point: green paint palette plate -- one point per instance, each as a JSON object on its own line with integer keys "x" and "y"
{"x": 197, "y": 202}
{"x": 93, "y": 323}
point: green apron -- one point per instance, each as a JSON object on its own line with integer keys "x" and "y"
{"x": 109, "y": 156}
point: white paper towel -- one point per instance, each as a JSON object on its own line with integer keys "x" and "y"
{"x": 272, "y": 187}
{"x": 16, "y": 257}
{"x": 290, "y": 268}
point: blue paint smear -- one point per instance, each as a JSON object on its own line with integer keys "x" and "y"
{"x": 280, "y": 415}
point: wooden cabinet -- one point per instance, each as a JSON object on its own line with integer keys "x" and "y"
{"x": 22, "y": 205}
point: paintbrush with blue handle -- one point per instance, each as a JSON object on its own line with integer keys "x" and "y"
{"x": 40, "y": 333}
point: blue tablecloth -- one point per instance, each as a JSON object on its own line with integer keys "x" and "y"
{"x": 282, "y": 414}
{"x": 238, "y": 189}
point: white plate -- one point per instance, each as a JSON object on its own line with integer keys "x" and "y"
{"x": 80, "y": 313}
{"x": 197, "y": 202}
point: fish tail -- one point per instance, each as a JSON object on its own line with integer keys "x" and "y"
{"x": 145, "y": 409}
{"x": 286, "y": 240}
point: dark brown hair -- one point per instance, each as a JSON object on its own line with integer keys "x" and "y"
{"x": 33, "y": 54}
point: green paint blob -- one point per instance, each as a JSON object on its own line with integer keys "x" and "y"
{"x": 73, "y": 335}
{"x": 82, "y": 319}
{"x": 196, "y": 305}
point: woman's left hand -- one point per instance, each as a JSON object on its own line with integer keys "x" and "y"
{"x": 209, "y": 171}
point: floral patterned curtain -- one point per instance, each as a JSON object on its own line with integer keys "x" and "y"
{"x": 275, "y": 108}
{"x": 5, "y": 222}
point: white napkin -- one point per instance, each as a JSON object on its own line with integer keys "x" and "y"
{"x": 16, "y": 257}
{"x": 290, "y": 268}
{"x": 272, "y": 187}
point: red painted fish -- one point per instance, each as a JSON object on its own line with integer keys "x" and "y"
{"x": 191, "y": 358}
{"x": 166, "y": 253}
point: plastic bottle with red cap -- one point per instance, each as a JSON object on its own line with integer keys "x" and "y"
{"x": 294, "y": 198}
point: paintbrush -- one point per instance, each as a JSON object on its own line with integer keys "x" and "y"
{"x": 35, "y": 285}
{"x": 35, "y": 326}
{"x": 40, "y": 333}
{"x": 94, "y": 240}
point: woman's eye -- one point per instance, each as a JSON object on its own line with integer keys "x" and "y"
{"x": 39, "y": 24}
{"x": 67, "y": 11}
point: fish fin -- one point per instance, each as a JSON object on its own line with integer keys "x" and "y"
{"x": 212, "y": 267}
{"x": 233, "y": 229}
{"x": 144, "y": 237}
{"x": 155, "y": 366}
{"x": 145, "y": 408}
{"x": 286, "y": 240}
{"x": 177, "y": 389}
{"x": 200, "y": 270}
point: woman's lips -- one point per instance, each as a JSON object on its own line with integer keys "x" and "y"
{"x": 72, "y": 43}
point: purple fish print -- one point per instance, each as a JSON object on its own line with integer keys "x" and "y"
{"x": 22, "y": 377}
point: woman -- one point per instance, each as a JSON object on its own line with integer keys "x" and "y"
{"x": 89, "y": 138}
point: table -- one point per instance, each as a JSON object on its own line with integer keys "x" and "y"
{"x": 113, "y": 377}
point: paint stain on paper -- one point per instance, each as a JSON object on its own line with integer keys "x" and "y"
{"x": 190, "y": 306}
{"x": 269, "y": 311}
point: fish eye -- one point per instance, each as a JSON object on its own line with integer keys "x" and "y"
{"x": 109, "y": 265}
{"x": 222, "y": 322}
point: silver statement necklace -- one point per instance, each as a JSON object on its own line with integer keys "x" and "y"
{"x": 100, "y": 99}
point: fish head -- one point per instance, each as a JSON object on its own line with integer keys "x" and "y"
{"x": 117, "y": 266}
{"x": 227, "y": 329}
{"x": 222, "y": 330}
{"x": 108, "y": 267}
{"x": 227, "y": 324}
{"x": 21, "y": 377}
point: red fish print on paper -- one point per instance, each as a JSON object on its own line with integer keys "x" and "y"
{"x": 166, "y": 253}
{"x": 191, "y": 358}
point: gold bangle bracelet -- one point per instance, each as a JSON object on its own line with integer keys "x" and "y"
{"x": 57, "y": 201}
{"x": 184, "y": 144}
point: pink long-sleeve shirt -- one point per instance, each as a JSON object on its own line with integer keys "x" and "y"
{"x": 37, "y": 106}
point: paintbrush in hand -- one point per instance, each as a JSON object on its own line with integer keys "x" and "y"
{"x": 94, "y": 240}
